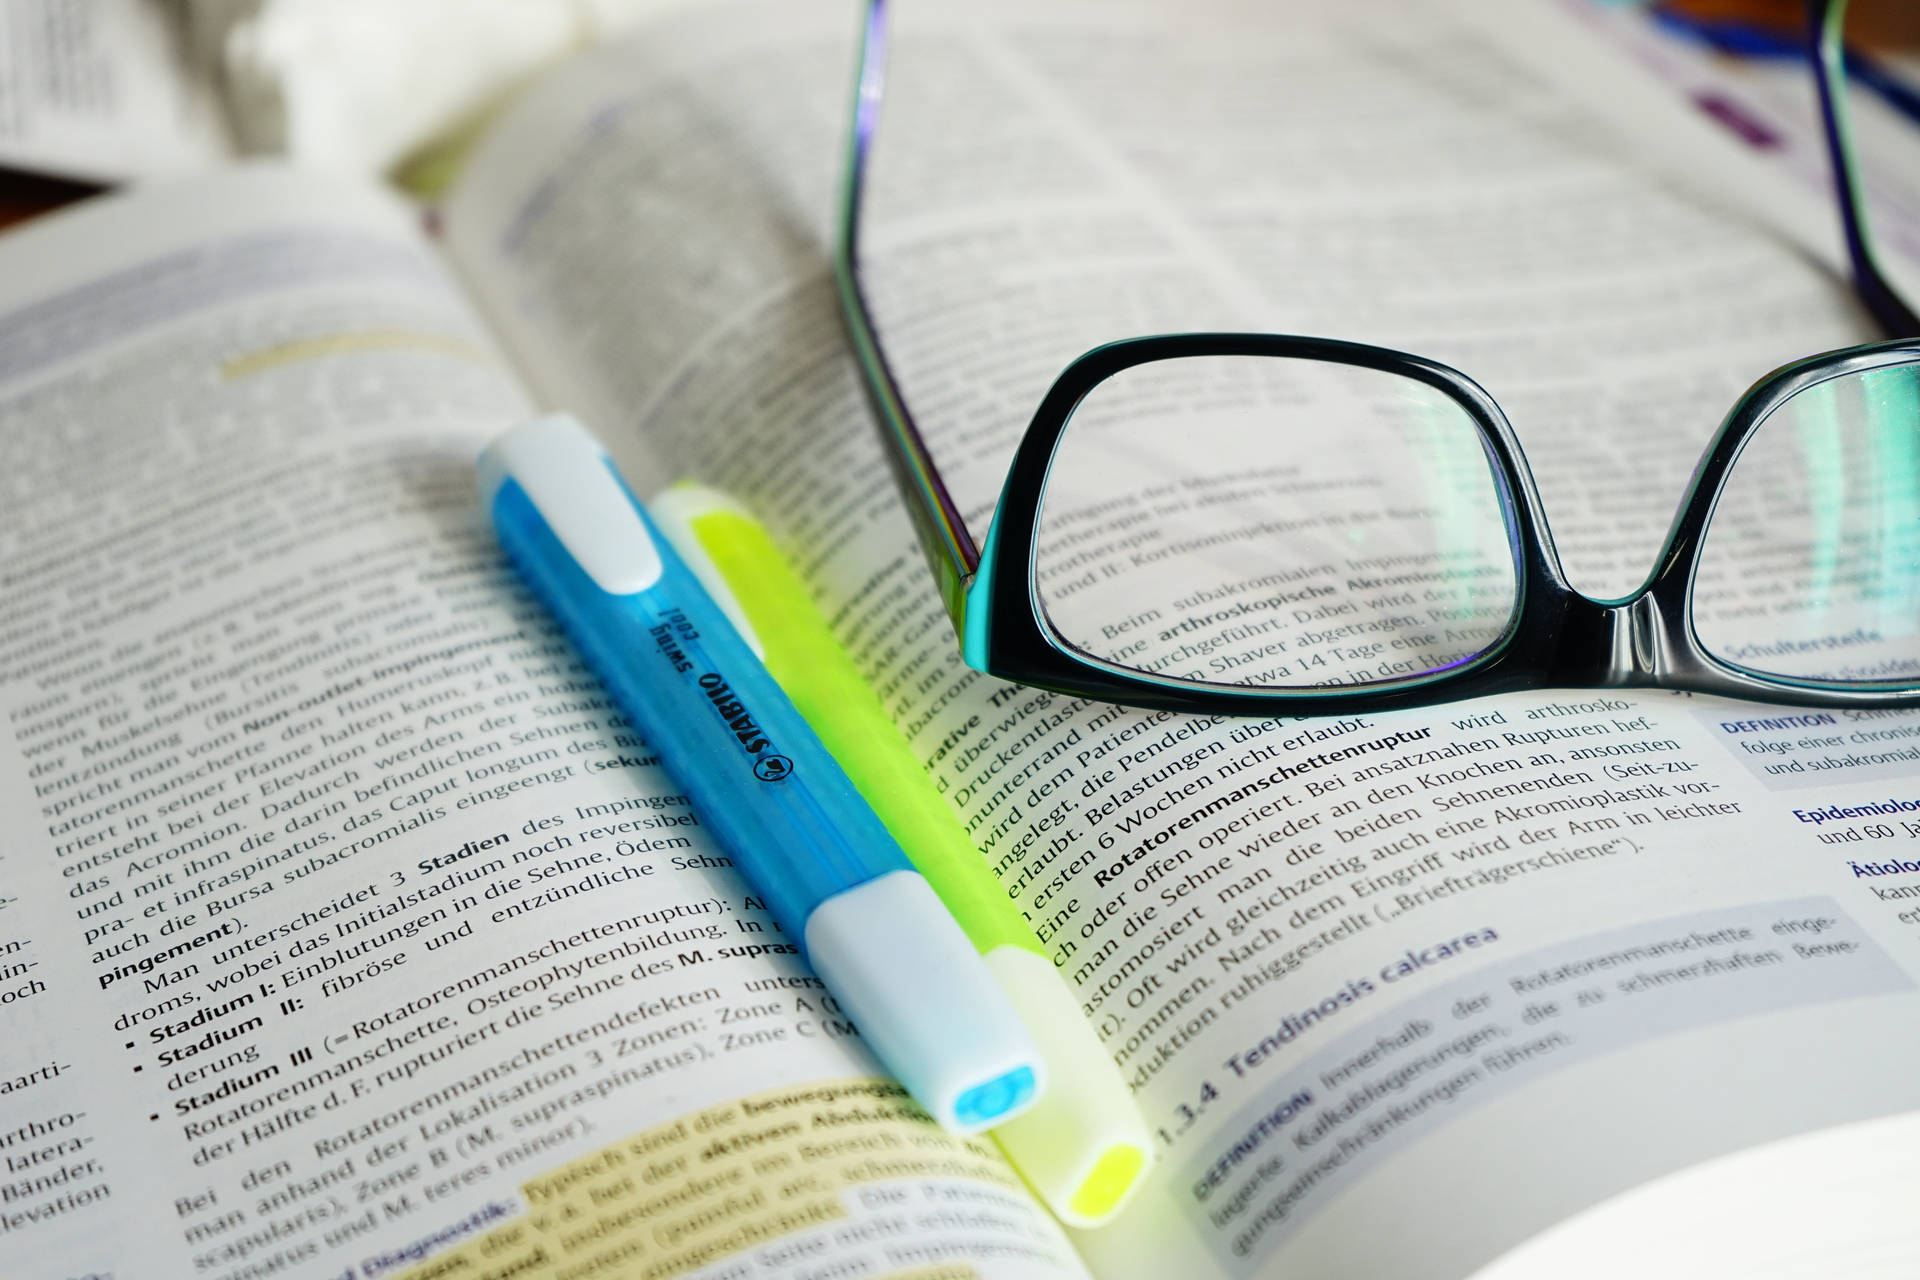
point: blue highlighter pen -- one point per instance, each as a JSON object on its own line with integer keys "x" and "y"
{"x": 761, "y": 782}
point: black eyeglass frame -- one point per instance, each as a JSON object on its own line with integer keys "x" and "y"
{"x": 1556, "y": 637}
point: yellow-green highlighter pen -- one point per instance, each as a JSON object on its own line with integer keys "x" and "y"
{"x": 1083, "y": 1148}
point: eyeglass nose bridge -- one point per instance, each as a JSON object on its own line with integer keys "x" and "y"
{"x": 1615, "y": 644}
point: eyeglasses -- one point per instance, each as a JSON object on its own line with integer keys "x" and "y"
{"x": 1246, "y": 523}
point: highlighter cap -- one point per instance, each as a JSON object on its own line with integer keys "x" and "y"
{"x": 925, "y": 1001}
{"x": 675, "y": 512}
{"x": 1084, "y": 1149}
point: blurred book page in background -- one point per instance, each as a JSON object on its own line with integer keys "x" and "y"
{"x": 97, "y": 91}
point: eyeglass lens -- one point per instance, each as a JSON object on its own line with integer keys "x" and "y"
{"x": 1276, "y": 523}
{"x": 1810, "y": 568}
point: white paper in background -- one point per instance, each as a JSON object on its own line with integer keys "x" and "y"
{"x": 354, "y": 86}
{"x": 1772, "y": 106}
{"x": 95, "y": 90}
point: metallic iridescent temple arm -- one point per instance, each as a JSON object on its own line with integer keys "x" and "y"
{"x": 1828, "y": 19}
{"x": 949, "y": 548}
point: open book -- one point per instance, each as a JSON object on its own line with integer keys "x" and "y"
{"x": 346, "y": 931}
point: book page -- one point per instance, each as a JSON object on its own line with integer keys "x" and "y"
{"x": 98, "y": 90}
{"x": 344, "y": 927}
{"x": 1396, "y": 991}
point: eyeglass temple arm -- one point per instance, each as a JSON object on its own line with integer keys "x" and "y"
{"x": 949, "y": 548}
{"x": 1826, "y": 22}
